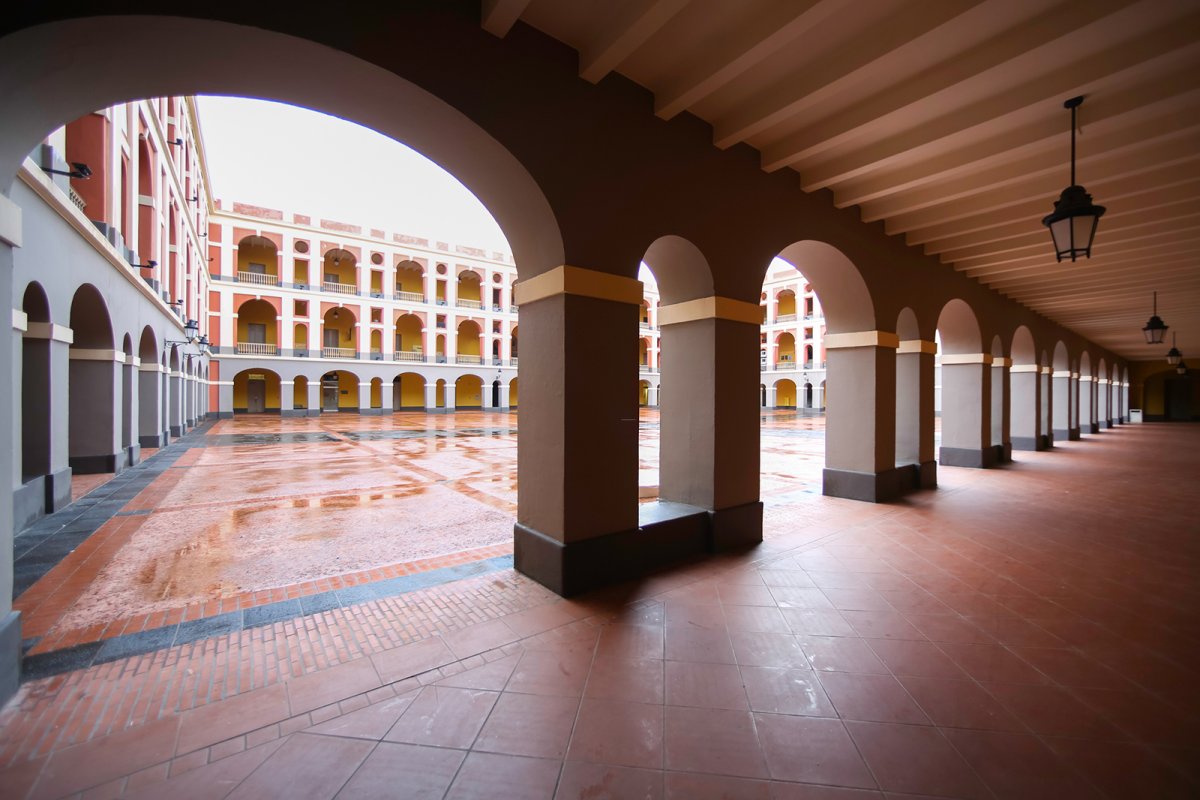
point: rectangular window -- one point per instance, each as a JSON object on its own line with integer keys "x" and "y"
{"x": 301, "y": 308}
{"x": 331, "y": 337}
{"x": 257, "y": 269}
{"x": 257, "y": 333}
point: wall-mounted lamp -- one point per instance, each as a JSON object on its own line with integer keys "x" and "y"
{"x": 194, "y": 198}
{"x": 177, "y": 143}
{"x": 78, "y": 170}
{"x": 150, "y": 264}
{"x": 1174, "y": 357}
{"x": 1156, "y": 329}
{"x": 1073, "y": 223}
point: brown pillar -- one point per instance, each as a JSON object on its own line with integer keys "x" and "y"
{"x": 577, "y": 503}
{"x": 860, "y": 426}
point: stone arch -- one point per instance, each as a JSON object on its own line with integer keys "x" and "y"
{"x": 907, "y": 327}
{"x": 339, "y": 391}
{"x": 467, "y": 342}
{"x": 680, "y": 270}
{"x": 94, "y": 387}
{"x": 376, "y": 392}
{"x": 512, "y": 393}
{"x": 1024, "y": 351}
{"x": 256, "y": 391}
{"x": 408, "y": 392}
{"x": 785, "y": 393}
{"x": 272, "y": 65}
{"x": 959, "y": 328}
{"x": 257, "y": 328}
{"x": 257, "y": 260}
{"x": 339, "y": 332}
{"x": 410, "y": 338}
{"x": 837, "y": 283}
{"x": 966, "y": 389}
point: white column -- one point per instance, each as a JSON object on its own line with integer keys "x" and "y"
{"x": 431, "y": 397}
{"x": 449, "y": 396}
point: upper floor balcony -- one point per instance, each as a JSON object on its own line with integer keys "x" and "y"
{"x": 339, "y": 288}
{"x": 256, "y": 349}
{"x": 258, "y": 278}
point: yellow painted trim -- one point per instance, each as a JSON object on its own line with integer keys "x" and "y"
{"x": 578, "y": 281}
{"x": 842, "y": 341}
{"x": 133, "y": 361}
{"x": 20, "y": 320}
{"x": 712, "y": 307}
{"x": 1023, "y": 368}
{"x": 151, "y": 366}
{"x": 1047, "y": 370}
{"x": 1001, "y": 362}
{"x": 966, "y": 358}
{"x": 1103, "y": 381}
{"x": 917, "y": 346}
{"x": 1087, "y": 378}
{"x": 48, "y": 330}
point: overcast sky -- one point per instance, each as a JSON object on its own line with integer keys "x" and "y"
{"x": 284, "y": 157}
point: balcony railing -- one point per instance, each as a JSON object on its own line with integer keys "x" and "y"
{"x": 786, "y": 318}
{"x": 512, "y": 362}
{"x": 468, "y": 303}
{"x": 409, "y": 297}
{"x": 259, "y": 278}
{"x": 408, "y": 356}
{"x": 460, "y": 359}
{"x": 338, "y": 352}
{"x": 646, "y": 368}
{"x": 513, "y": 308}
{"x": 256, "y": 349}
{"x": 339, "y": 288}
{"x": 644, "y": 325}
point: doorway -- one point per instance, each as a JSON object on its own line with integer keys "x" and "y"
{"x": 256, "y": 396}
{"x": 329, "y": 392}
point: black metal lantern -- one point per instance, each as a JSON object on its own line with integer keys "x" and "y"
{"x": 1073, "y": 223}
{"x": 1174, "y": 357}
{"x": 191, "y": 330}
{"x": 1156, "y": 329}
{"x": 1181, "y": 368}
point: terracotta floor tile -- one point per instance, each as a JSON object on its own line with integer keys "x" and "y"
{"x": 492, "y": 676}
{"x": 330, "y": 685}
{"x": 800, "y": 597}
{"x": 631, "y": 641}
{"x": 715, "y": 741}
{"x": 946, "y": 628}
{"x": 486, "y": 776}
{"x": 692, "y": 615}
{"x": 1072, "y": 669}
{"x": 923, "y": 659}
{"x": 960, "y": 704}
{"x": 305, "y": 767}
{"x": 101, "y": 760}
{"x": 817, "y": 622}
{"x": 213, "y": 781}
{"x": 1015, "y": 631}
{"x": 985, "y": 662}
{"x": 857, "y": 600}
{"x": 811, "y": 750}
{"x": 1053, "y": 711}
{"x": 529, "y": 725}
{"x": 1018, "y": 766}
{"x": 882, "y": 625}
{"x": 618, "y": 733}
{"x": 629, "y": 679}
{"x": 743, "y": 595}
{"x": 757, "y": 619}
{"x": 1124, "y": 771}
{"x": 841, "y": 654}
{"x": 786, "y": 691}
{"x": 688, "y": 786}
{"x": 420, "y": 773}
{"x": 915, "y": 760}
{"x": 372, "y": 722}
{"x": 212, "y": 723}
{"x": 874, "y": 698}
{"x": 443, "y": 716}
{"x": 479, "y": 637}
{"x": 701, "y": 685}
{"x": 684, "y": 643}
{"x": 801, "y": 791}
{"x": 411, "y": 659}
{"x": 555, "y": 672}
{"x": 768, "y": 650}
{"x": 584, "y": 781}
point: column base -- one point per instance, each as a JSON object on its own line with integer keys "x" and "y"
{"x": 1031, "y": 443}
{"x": 735, "y": 528}
{"x": 1125, "y": 420}
{"x": 1093, "y": 427}
{"x": 29, "y": 503}
{"x": 152, "y": 441}
{"x": 191, "y": 423}
{"x": 983, "y": 458}
{"x": 1073, "y": 435}
{"x": 1108, "y": 423}
{"x": 1003, "y": 453}
{"x": 10, "y": 655}
{"x": 177, "y": 430}
{"x": 58, "y": 490}
{"x": 667, "y": 533}
{"x": 871, "y": 487}
{"x": 293, "y": 412}
{"x": 370, "y": 412}
{"x": 92, "y": 465}
{"x": 133, "y": 455}
{"x": 1062, "y": 435}
{"x": 1047, "y": 441}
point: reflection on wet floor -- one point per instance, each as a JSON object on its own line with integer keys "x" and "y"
{"x": 267, "y": 503}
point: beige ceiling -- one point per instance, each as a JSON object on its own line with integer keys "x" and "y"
{"x": 944, "y": 119}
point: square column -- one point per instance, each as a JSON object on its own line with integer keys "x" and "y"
{"x": 224, "y": 399}
{"x": 577, "y": 509}
{"x": 150, "y": 424}
{"x": 1125, "y": 402}
{"x": 860, "y": 427}
{"x": 95, "y": 411}
{"x": 1046, "y": 406}
{"x": 10, "y": 621}
{"x": 1086, "y": 404}
{"x": 1103, "y": 416}
{"x": 1061, "y": 399}
{"x": 175, "y": 405}
{"x": 364, "y": 399}
{"x": 450, "y": 399}
{"x": 314, "y": 397}
{"x": 130, "y": 395}
{"x": 386, "y": 397}
{"x": 1073, "y": 408}
{"x": 914, "y": 409}
{"x": 431, "y": 397}
{"x": 505, "y": 393}
{"x": 1025, "y": 407}
{"x": 967, "y": 411}
{"x": 50, "y": 344}
{"x": 287, "y": 398}
{"x": 709, "y": 451}
{"x": 1001, "y": 420}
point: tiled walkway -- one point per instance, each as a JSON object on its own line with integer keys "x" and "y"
{"x": 1025, "y": 632}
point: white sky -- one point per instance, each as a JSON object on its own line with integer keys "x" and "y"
{"x": 280, "y": 156}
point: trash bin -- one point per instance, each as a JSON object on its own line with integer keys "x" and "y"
{"x": 1135, "y": 415}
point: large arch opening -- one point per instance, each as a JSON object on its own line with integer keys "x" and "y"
{"x": 966, "y": 397}
{"x": 94, "y": 387}
{"x": 467, "y": 342}
{"x": 468, "y": 392}
{"x": 339, "y": 333}
{"x": 339, "y": 391}
{"x": 35, "y": 385}
{"x": 258, "y": 261}
{"x": 258, "y": 328}
{"x": 410, "y": 338}
{"x": 410, "y": 282}
{"x": 256, "y": 391}
{"x": 408, "y": 392}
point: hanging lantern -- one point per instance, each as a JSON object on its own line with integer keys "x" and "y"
{"x": 1156, "y": 329}
{"x": 1174, "y": 357}
{"x": 1073, "y": 223}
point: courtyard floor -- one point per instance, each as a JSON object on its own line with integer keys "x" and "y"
{"x": 1021, "y": 632}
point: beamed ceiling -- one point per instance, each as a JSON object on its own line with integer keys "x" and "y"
{"x": 944, "y": 119}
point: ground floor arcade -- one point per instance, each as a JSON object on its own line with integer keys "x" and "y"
{"x": 1023, "y": 632}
